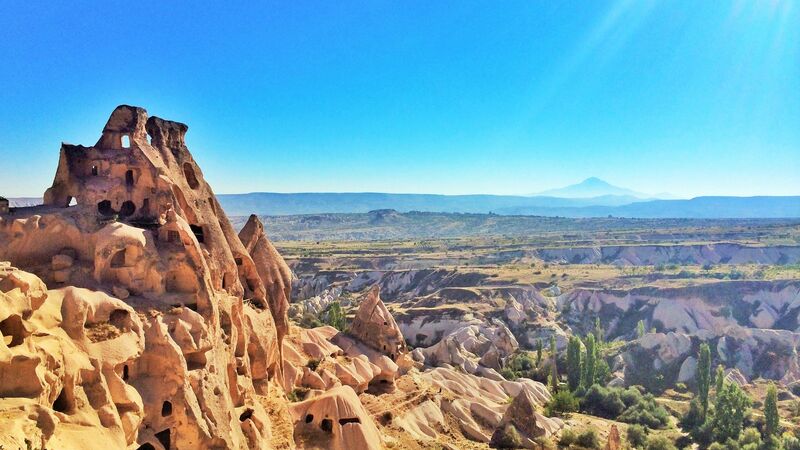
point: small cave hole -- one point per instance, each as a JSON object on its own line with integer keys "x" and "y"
{"x": 349, "y": 420}
{"x": 118, "y": 260}
{"x": 146, "y": 446}
{"x": 62, "y": 403}
{"x": 119, "y": 318}
{"x": 129, "y": 178}
{"x": 309, "y": 418}
{"x": 127, "y": 209}
{"x": 95, "y": 171}
{"x": 198, "y": 233}
{"x": 166, "y": 408}
{"x": 13, "y": 331}
{"x": 326, "y": 425}
{"x": 164, "y": 438}
{"x": 125, "y": 373}
{"x": 248, "y": 413}
{"x": 105, "y": 208}
{"x": 188, "y": 172}
{"x": 126, "y": 141}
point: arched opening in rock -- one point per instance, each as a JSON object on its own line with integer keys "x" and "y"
{"x": 13, "y": 331}
{"x": 104, "y": 208}
{"x": 125, "y": 373}
{"x": 309, "y": 418}
{"x": 188, "y": 172}
{"x": 166, "y": 408}
{"x": 198, "y": 233}
{"x": 118, "y": 260}
{"x": 349, "y": 420}
{"x": 326, "y": 425}
{"x": 62, "y": 403}
{"x": 119, "y": 318}
{"x": 164, "y": 438}
{"x": 95, "y": 171}
{"x": 126, "y": 141}
{"x": 127, "y": 209}
{"x": 146, "y": 446}
{"x": 248, "y": 413}
{"x": 129, "y": 178}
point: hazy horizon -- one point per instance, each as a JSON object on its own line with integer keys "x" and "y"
{"x": 685, "y": 98}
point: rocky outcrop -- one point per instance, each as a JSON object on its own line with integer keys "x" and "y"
{"x": 157, "y": 331}
{"x": 272, "y": 270}
{"x": 374, "y": 326}
{"x": 526, "y": 422}
{"x": 335, "y": 420}
{"x": 473, "y": 346}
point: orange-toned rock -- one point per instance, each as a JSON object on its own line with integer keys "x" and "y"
{"x": 614, "y": 442}
{"x": 274, "y": 273}
{"x": 375, "y": 326}
{"x": 181, "y": 354}
{"x": 335, "y": 420}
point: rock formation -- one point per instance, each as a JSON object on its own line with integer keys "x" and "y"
{"x": 375, "y": 326}
{"x": 272, "y": 269}
{"x": 613, "y": 442}
{"x": 157, "y": 331}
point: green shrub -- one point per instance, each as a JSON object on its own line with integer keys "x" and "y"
{"x": 568, "y": 438}
{"x": 660, "y": 443}
{"x": 588, "y": 439}
{"x": 509, "y": 438}
{"x": 563, "y": 402}
{"x": 637, "y": 436}
{"x": 625, "y": 405}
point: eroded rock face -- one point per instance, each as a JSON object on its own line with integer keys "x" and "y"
{"x": 158, "y": 330}
{"x": 335, "y": 420}
{"x": 375, "y": 326}
{"x": 274, "y": 273}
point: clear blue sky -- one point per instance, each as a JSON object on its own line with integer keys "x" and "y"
{"x": 688, "y": 97}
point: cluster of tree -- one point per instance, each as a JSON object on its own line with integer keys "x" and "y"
{"x": 727, "y": 423}
{"x": 334, "y": 315}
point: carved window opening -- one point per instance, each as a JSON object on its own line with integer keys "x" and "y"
{"x": 309, "y": 418}
{"x": 164, "y": 438}
{"x": 72, "y": 202}
{"x": 105, "y": 208}
{"x": 127, "y": 209}
{"x": 166, "y": 408}
{"x": 129, "y": 178}
{"x": 198, "y": 233}
{"x": 349, "y": 420}
{"x": 126, "y": 141}
{"x": 248, "y": 413}
{"x": 118, "y": 260}
{"x": 146, "y": 446}
{"x": 191, "y": 178}
{"x": 94, "y": 171}
{"x": 238, "y": 260}
{"x": 125, "y": 373}
{"x": 326, "y": 425}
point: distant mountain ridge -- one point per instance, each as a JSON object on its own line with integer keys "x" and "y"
{"x": 593, "y": 187}
{"x": 277, "y": 204}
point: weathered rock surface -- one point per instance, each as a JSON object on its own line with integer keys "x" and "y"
{"x": 178, "y": 359}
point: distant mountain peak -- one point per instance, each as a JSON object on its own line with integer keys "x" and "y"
{"x": 592, "y": 187}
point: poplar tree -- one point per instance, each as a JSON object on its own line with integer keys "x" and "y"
{"x": 771, "y": 418}
{"x": 574, "y": 363}
{"x": 554, "y": 369}
{"x": 720, "y": 381}
{"x": 703, "y": 376}
{"x": 590, "y": 361}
